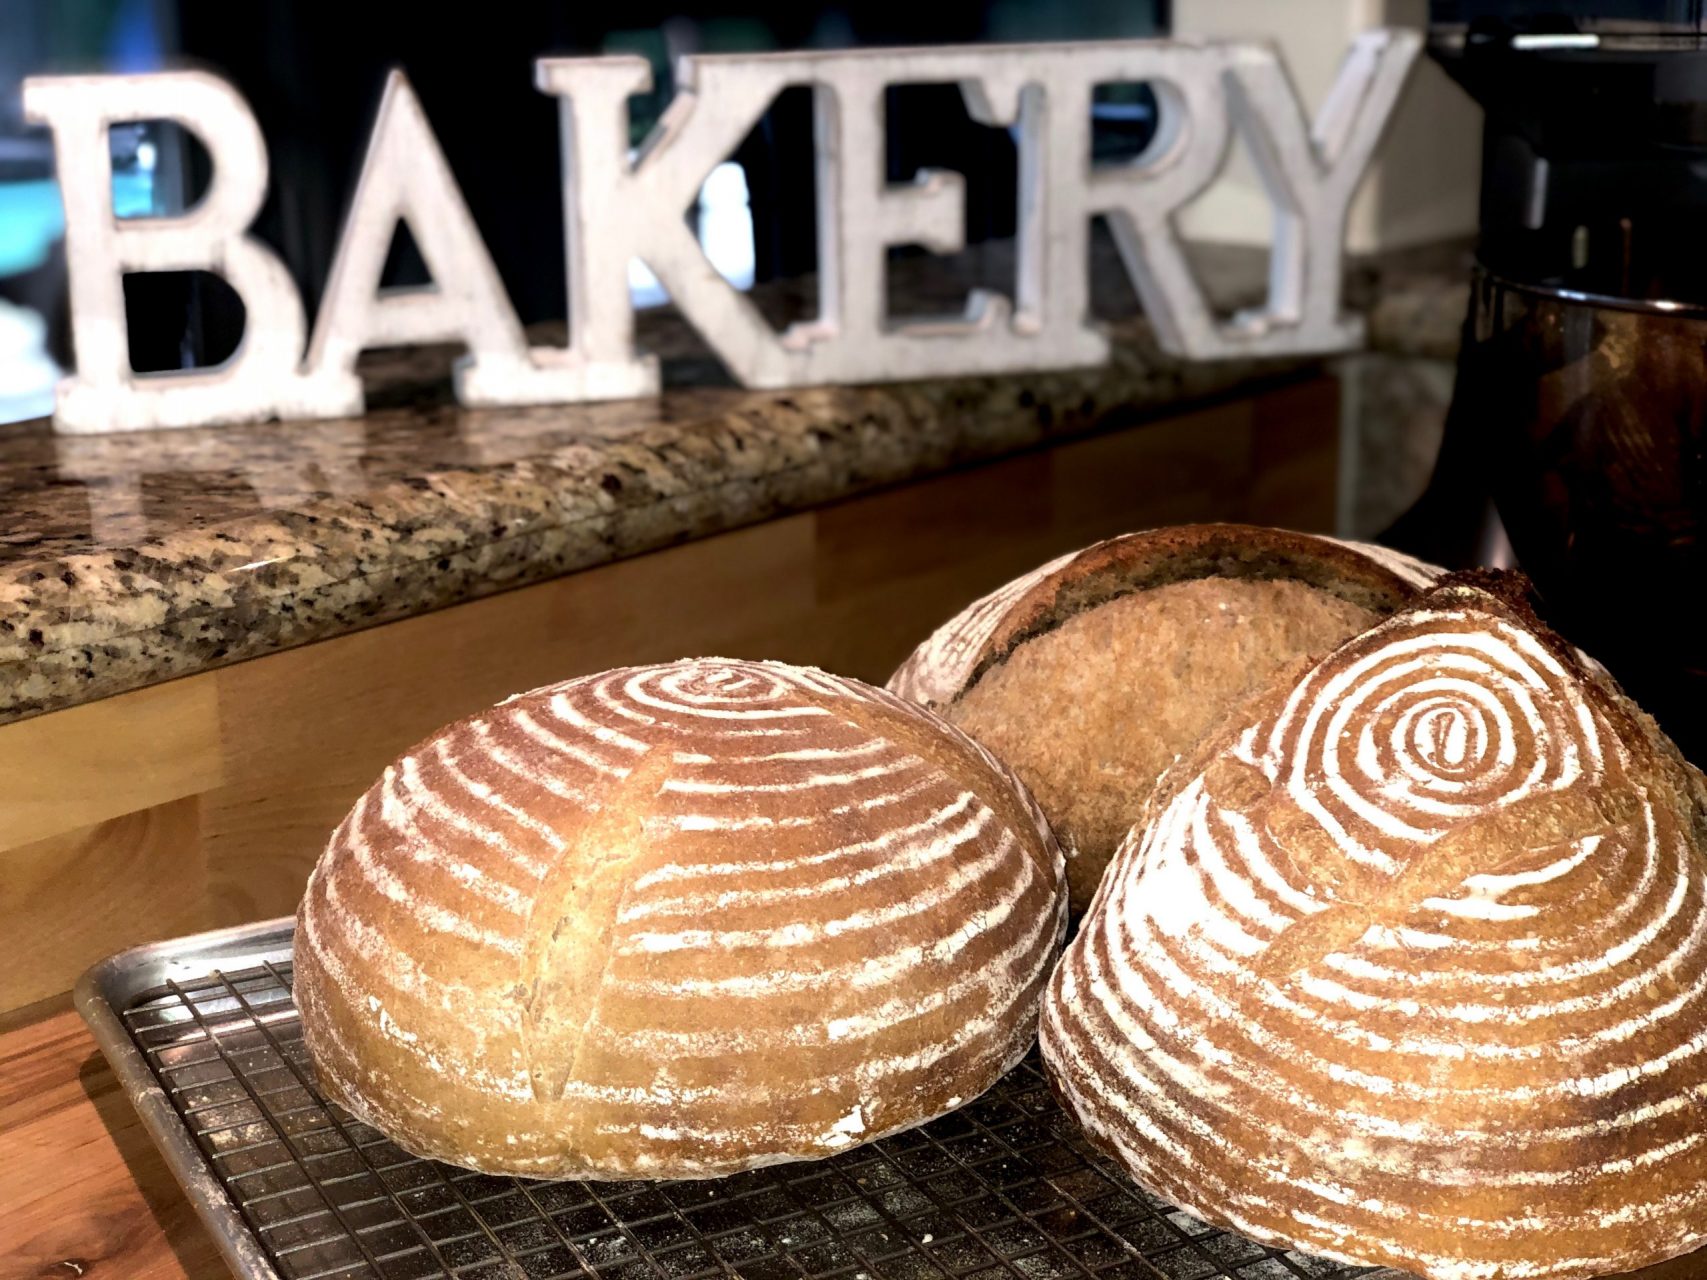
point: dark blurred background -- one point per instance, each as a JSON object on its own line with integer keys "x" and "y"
{"x": 312, "y": 73}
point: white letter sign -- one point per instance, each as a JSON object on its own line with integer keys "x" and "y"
{"x": 405, "y": 179}
{"x": 104, "y": 394}
{"x": 619, "y": 206}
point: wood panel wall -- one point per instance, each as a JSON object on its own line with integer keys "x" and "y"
{"x": 204, "y": 801}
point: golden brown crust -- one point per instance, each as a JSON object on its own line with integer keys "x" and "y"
{"x": 675, "y": 922}
{"x": 957, "y": 655}
{"x": 1138, "y": 645}
{"x": 1090, "y": 714}
{"x": 1186, "y": 553}
{"x": 1408, "y": 963}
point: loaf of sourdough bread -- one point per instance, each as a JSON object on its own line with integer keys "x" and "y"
{"x": 1407, "y": 963}
{"x": 674, "y": 922}
{"x": 1092, "y": 673}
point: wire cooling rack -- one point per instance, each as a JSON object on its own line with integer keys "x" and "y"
{"x": 1003, "y": 1189}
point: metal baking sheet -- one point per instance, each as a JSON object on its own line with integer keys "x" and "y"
{"x": 204, "y": 1037}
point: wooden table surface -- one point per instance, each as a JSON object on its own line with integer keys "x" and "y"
{"x": 85, "y": 1192}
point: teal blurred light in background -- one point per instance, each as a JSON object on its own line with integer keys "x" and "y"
{"x": 44, "y": 37}
{"x": 31, "y": 219}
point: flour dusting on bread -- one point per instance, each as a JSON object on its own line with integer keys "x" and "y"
{"x": 677, "y": 921}
{"x": 1410, "y": 966}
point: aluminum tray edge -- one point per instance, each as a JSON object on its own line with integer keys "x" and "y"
{"x": 111, "y": 985}
{"x": 100, "y": 995}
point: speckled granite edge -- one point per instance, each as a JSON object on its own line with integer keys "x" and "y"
{"x": 78, "y": 627}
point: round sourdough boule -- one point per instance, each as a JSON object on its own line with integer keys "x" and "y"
{"x": 1406, "y": 964}
{"x": 676, "y": 922}
{"x": 1092, "y": 673}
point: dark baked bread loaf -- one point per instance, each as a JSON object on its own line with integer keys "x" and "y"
{"x": 1137, "y": 646}
{"x": 677, "y": 921}
{"x": 1407, "y": 964}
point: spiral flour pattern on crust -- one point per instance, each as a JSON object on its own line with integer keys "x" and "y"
{"x": 1409, "y": 967}
{"x": 677, "y": 921}
{"x": 1399, "y": 744}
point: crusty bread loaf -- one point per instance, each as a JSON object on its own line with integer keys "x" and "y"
{"x": 677, "y": 921}
{"x": 1407, "y": 963}
{"x": 1136, "y": 647}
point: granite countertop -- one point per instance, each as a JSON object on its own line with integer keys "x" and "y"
{"x": 130, "y": 559}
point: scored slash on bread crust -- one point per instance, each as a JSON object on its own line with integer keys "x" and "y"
{"x": 1091, "y": 673}
{"x": 986, "y": 631}
{"x": 677, "y": 921}
{"x": 1406, "y": 964}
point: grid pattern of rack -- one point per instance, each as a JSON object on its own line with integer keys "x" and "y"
{"x": 1004, "y": 1189}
